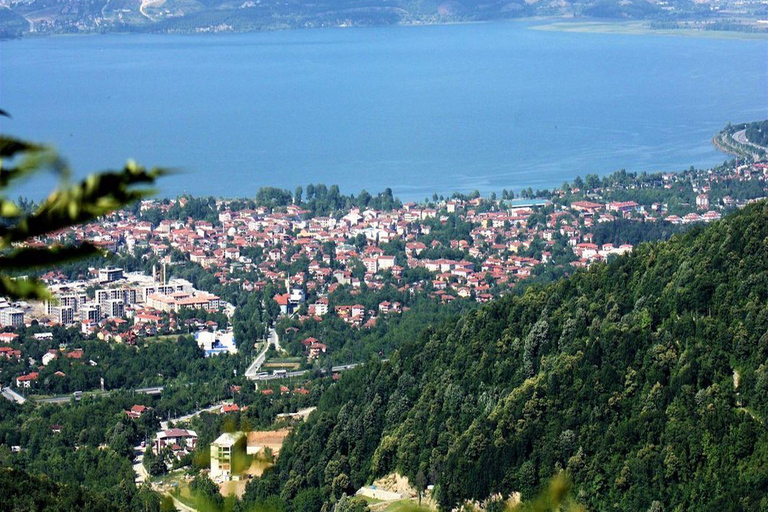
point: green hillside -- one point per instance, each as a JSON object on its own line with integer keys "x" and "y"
{"x": 192, "y": 16}
{"x": 645, "y": 379}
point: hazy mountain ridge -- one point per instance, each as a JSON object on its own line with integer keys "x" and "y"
{"x": 645, "y": 379}
{"x": 184, "y": 16}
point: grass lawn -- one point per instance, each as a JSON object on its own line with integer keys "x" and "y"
{"x": 285, "y": 360}
{"x": 273, "y": 363}
{"x": 406, "y": 506}
{"x": 165, "y": 337}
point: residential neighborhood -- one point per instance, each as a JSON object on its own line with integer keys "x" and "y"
{"x": 314, "y": 266}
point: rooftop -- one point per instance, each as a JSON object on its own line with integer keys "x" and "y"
{"x": 228, "y": 439}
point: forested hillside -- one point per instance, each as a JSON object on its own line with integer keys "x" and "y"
{"x": 18, "y": 17}
{"x": 757, "y": 133}
{"x": 646, "y": 379}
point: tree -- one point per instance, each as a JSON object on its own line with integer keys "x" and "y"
{"x": 206, "y": 493}
{"x": 420, "y": 481}
{"x": 70, "y": 204}
{"x": 593, "y": 181}
{"x": 308, "y": 500}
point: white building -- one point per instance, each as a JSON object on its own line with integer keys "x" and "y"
{"x": 216, "y": 342}
{"x": 91, "y": 313}
{"x": 11, "y": 317}
{"x": 64, "y": 315}
{"x": 227, "y": 451}
{"x": 115, "y": 308}
{"x": 110, "y": 274}
{"x": 176, "y": 437}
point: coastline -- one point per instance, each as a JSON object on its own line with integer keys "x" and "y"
{"x": 561, "y": 23}
{"x": 641, "y": 28}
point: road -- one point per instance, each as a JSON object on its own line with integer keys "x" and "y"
{"x": 186, "y": 417}
{"x": 274, "y": 339}
{"x": 741, "y": 137}
{"x": 299, "y": 373}
{"x": 255, "y": 366}
{"x": 138, "y": 466}
{"x": 253, "y": 370}
{"x": 64, "y": 399}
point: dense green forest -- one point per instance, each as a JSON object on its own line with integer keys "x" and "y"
{"x": 625, "y": 231}
{"x": 645, "y": 379}
{"x": 22, "y": 491}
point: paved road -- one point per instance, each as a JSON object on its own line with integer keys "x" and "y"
{"x": 255, "y": 366}
{"x": 64, "y": 399}
{"x": 741, "y": 137}
{"x": 286, "y": 375}
{"x": 138, "y": 466}
{"x": 214, "y": 407}
{"x": 274, "y": 339}
{"x": 299, "y": 373}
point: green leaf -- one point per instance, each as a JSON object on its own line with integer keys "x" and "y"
{"x": 96, "y": 195}
{"x": 10, "y": 146}
{"x": 35, "y": 158}
{"x": 29, "y": 258}
{"x": 70, "y": 204}
{"x": 23, "y": 288}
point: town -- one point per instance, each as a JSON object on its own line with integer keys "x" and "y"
{"x": 270, "y": 300}
{"x": 313, "y": 266}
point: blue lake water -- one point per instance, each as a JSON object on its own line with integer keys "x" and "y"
{"x": 418, "y": 109}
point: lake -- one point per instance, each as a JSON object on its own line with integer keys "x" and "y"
{"x": 417, "y": 109}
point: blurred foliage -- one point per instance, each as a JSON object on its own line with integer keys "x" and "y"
{"x": 70, "y": 204}
{"x": 555, "y": 498}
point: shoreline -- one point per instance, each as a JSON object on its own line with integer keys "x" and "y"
{"x": 567, "y": 24}
{"x": 641, "y": 28}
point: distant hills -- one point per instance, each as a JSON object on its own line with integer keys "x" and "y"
{"x": 21, "y": 17}
{"x": 644, "y": 379}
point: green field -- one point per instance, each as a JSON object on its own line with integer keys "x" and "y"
{"x": 642, "y": 28}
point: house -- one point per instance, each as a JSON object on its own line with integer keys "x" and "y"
{"x": 74, "y": 354}
{"x": 587, "y": 207}
{"x": 622, "y": 206}
{"x": 137, "y": 411}
{"x": 284, "y": 303}
{"x": 179, "y": 438}
{"x": 50, "y": 356}
{"x": 308, "y": 341}
{"x": 25, "y": 381}
{"x": 316, "y": 349}
{"x": 227, "y": 408}
{"x": 10, "y": 353}
{"x": 8, "y": 337}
